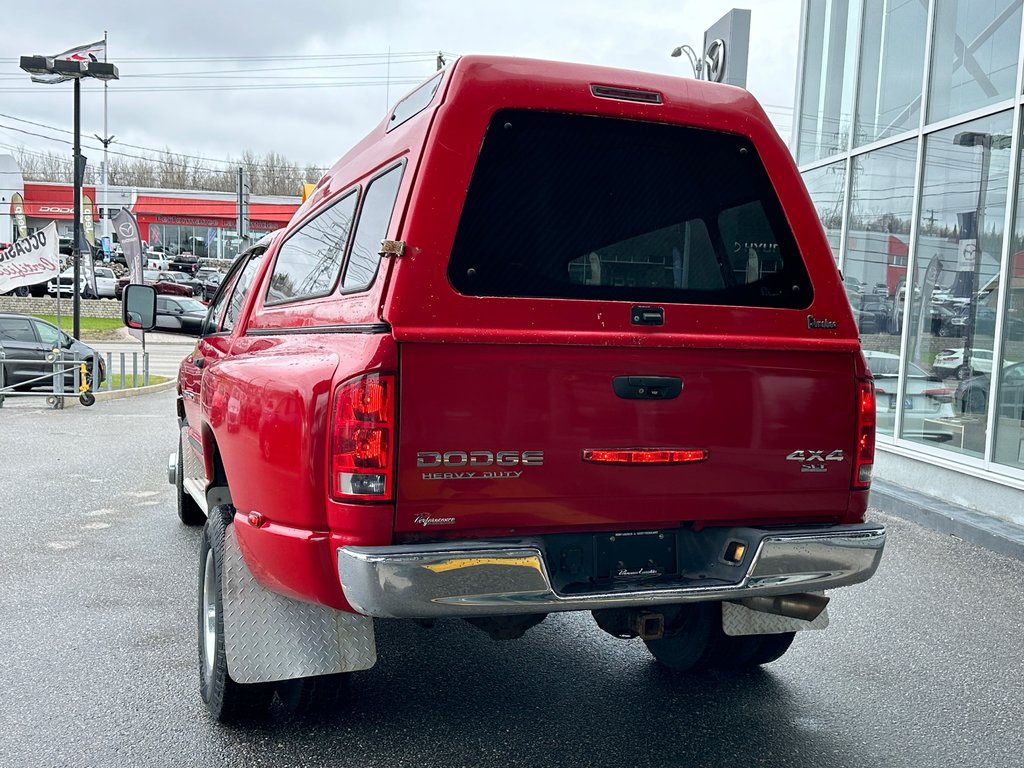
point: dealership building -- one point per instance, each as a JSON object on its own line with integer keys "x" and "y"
{"x": 908, "y": 136}
{"x": 204, "y": 223}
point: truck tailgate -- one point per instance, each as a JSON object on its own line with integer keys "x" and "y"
{"x": 494, "y": 439}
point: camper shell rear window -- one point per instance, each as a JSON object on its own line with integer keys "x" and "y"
{"x": 585, "y": 207}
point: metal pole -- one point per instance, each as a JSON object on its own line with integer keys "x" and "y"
{"x": 979, "y": 226}
{"x": 105, "y": 209}
{"x": 76, "y": 254}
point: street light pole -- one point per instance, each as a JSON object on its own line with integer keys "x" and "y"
{"x": 76, "y": 236}
{"x": 73, "y": 65}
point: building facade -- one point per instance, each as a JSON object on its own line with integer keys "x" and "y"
{"x": 173, "y": 221}
{"x": 908, "y": 137}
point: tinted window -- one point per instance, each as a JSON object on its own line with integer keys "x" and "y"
{"x": 415, "y": 102}
{"x": 571, "y": 206}
{"x": 15, "y": 329}
{"x": 309, "y": 262}
{"x": 374, "y": 218}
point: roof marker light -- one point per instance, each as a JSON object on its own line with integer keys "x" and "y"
{"x": 625, "y": 94}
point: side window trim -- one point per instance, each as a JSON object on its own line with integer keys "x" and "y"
{"x": 357, "y": 190}
{"x": 400, "y": 165}
{"x": 227, "y": 286}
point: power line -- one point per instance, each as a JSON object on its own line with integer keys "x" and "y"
{"x": 229, "y": 163}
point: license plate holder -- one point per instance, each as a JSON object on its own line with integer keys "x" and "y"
{"x": 635, "y": 556}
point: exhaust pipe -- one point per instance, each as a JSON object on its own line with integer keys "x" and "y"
{"x": 806, "y": 606}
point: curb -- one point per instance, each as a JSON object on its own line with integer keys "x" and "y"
{"x": 998, "y": 535}
{"x": 120, "y": 394}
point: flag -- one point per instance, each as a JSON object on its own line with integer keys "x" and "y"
{"x": 18, "y": 211}
{"x": 92, "y": 52}
{"x": 88, "y": 265}
{"x": 128, "y": 236}
{"x": 87, "y": 223}
{"x": 30, "y": 260}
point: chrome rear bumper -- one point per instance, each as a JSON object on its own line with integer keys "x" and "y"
{"x": 491, "y": 578}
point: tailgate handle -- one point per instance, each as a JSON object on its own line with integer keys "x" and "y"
{"x": 647, "y": 387}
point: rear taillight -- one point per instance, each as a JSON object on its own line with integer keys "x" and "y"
{"x": 942, "y": 394}
{"x": 864, "y": 453}
{"x": 362, "y": 438}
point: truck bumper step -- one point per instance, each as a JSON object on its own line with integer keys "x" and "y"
{"x": 502, "y": 577}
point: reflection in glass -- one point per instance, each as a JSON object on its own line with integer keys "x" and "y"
{"x": 875, "y": 268}
{"x": 826, "y": 101}
{"x": 891, "y": 69}
{"x": 974, "y": 55}
{"x": 827, "y": 188}
{"x": 1009, "y": 443}
{"x": 957, "y": 264}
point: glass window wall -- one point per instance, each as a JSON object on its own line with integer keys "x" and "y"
{"x": 827, "y": 187}
{"x": 974, "y": 55}
{"x": 875, "y": 267}
{"x": 828, "y": 78}
{"x": 956, "y": 276}
{"x": 891, "y": 69}
{"x": 1009, "y": 443}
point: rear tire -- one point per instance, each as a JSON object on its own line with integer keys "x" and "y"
{"x": 963, "y": 372}
{"x": 772, "y": 647}
{"x": 312, "y": 695}
{"x": 189, "y": 512}
{"x": 973, "y": 402}
{"x": 227, "y": 700}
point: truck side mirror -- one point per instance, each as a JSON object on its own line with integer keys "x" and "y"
{"x": 138, "y": 307}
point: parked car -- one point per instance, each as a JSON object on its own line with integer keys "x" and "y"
{"x": 167, "y": 286}
{"x": 674, "y": 436}
{"x": 25, "y": 338}
{"x": 925, "y": 400}
{"x": 180, "y": 314}
{"x": 874, "y": 314}
{"x": 182, "y": 278}
{"x": 950, "y": 362}
{"x": 186, "y": 262}
{"x": 211, "y": 279}
{"x": 972, "y": 396}
{"x": 106, "y": 283}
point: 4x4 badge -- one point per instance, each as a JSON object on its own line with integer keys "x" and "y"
{"x": 814, "y": 461}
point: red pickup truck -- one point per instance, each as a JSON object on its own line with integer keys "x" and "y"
{"x": 551, "y": 338}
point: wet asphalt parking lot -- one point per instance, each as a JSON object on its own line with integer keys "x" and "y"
{"x": 921, "y": 667}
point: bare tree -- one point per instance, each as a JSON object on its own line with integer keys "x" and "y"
{"x": 269, "y": 174}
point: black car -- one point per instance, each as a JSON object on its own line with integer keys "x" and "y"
{"x": 31, "y": 341}
{"x": 211, "y": 280}
{"x": 972, "y": 396}
{"x": 180, "y": 314}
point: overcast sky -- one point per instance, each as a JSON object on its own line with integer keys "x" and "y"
{"x": 193, "y": 74}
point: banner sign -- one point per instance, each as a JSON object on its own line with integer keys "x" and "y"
{"x": 88, "y": 265}
{"x": 88, "y": 225}
{"x": 131, "y": 244}
{"x": 92, "y": 52}
{"x": 31, "y": 260}
{"x": 18, "y": 211}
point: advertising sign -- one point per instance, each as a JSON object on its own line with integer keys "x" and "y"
{"x": 18, "y": 210}
{"x": 31, "y": 260}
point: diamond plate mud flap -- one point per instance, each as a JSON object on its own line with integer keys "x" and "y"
{"x": 740, "y": 620}
{"x": 268, "y": 636}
